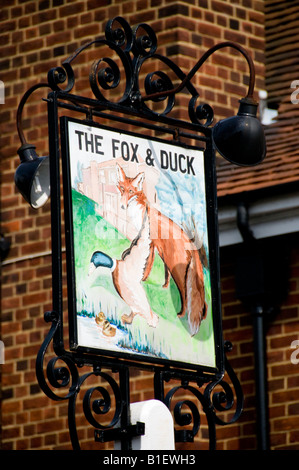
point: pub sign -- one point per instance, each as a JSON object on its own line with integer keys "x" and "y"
{"x": 138, "y": 240}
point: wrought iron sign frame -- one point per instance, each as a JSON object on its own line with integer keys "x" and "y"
{"x": 133, "y": 47}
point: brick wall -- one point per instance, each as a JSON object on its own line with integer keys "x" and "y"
{"x": 38, "y": 35}
{"x": 281, "y": 327}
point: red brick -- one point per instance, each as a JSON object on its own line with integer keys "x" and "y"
{"x": 286, "y": 424}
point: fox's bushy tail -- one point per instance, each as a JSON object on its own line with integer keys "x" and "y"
{"x": 196, "y": 304}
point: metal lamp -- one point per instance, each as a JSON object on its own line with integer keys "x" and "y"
{"x": 32, "y": 176}
{"x": 240, "y": 139}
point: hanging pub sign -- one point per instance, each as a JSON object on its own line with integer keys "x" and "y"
{"x": 139, "y": 244}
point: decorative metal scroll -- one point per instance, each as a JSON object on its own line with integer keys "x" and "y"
{"x": 209, "y": 399}
{"x": 134, "y": 47}
{"x": 111, "y": 398}
{"x": 205, "y": 398}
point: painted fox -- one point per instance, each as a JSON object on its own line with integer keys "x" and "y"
{"x": 179, "y": 254}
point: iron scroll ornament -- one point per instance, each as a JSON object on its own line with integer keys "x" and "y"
{"x": 133, "y": 47}
{"x": 61, "y": 374}
{"x": 210, "y": 398}
{"x": 53, "y": 378}
{"x": 241, "y": 134}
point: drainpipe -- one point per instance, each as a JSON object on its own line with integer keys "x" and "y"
{"x": 258, "y": 314}
{"x": 261, "y": 378}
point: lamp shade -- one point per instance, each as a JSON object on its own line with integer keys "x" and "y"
{"x": 240, "y": 139}
{"x": 32, "y": 176}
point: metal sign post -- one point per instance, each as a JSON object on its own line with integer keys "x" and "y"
{"x": 141, "y": 230}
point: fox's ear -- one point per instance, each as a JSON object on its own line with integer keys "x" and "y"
{"x": 120, "y": 174}
{"x": 138, "y": 181}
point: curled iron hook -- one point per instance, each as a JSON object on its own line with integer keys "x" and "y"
{"x": 205, "y": 56}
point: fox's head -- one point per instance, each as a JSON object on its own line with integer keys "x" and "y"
{"x": 130, "y": 188}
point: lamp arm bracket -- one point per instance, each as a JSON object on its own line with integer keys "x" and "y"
{"x": 22, "y": 103}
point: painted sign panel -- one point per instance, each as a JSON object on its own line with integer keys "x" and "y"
{"x": 140, "y": 246}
